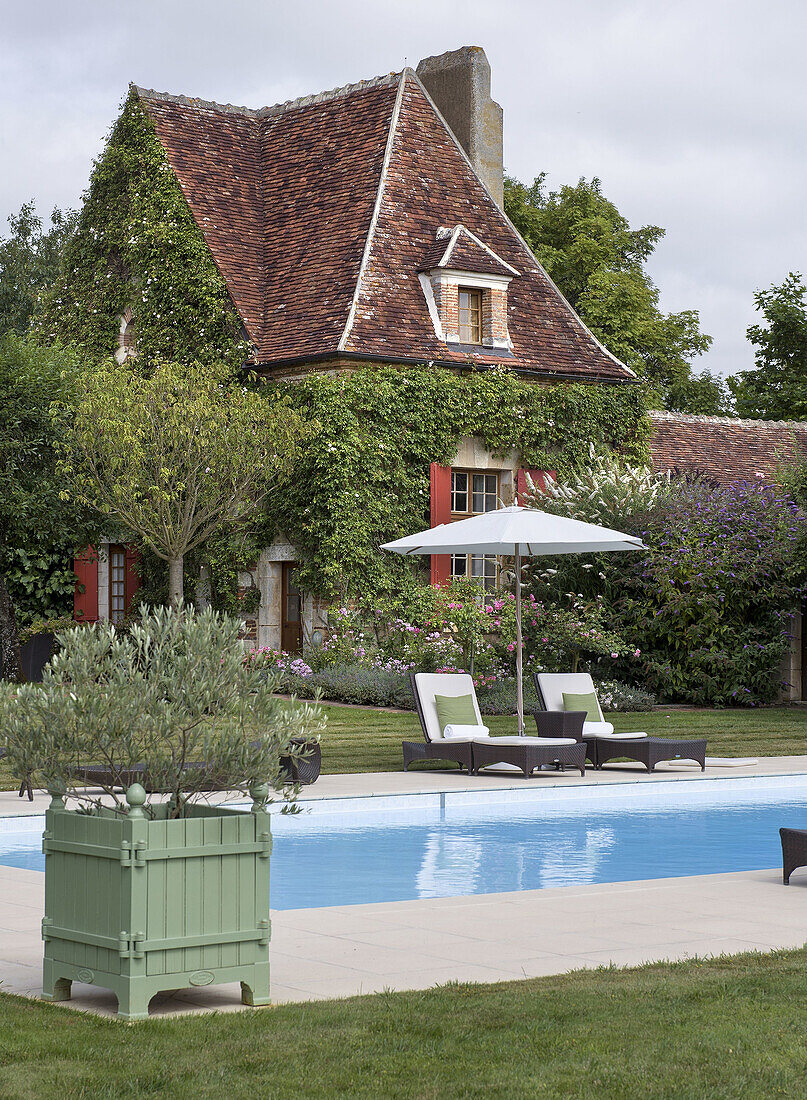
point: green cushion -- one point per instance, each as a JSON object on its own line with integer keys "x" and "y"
{"x": 588, "y": 703}
{"x": 455, "y": 710}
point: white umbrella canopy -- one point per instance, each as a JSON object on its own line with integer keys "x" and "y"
{"x": 516, "y": 532}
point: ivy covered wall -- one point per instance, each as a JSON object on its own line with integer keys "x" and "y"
{"x": 138, "y": 246}
{"x": 364, "y": 479}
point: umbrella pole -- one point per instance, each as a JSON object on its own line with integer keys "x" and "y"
{"x": 519, "y": 662}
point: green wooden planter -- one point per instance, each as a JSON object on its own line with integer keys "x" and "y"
{"x": 138, "y": 906}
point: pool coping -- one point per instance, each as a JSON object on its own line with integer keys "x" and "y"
{"x": 384, "y": 784}
{"x": 341, "y": 951}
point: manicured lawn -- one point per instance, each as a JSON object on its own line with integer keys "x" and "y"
{"x": 728, "y": 1027}
{"x": 360, "y": 739}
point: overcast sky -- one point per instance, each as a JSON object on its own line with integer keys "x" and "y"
{"x": 691, "y": 112}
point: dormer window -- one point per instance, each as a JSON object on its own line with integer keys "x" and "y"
{"x": 465, "y": 285}
{"x": 470, "y": 315}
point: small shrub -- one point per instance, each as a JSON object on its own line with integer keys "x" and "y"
{"x": 171, "y": 692}
{"x": 622, "y": 697}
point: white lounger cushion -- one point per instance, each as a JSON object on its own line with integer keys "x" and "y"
{"x": 548, "y": 741}
{"x": 605, "y": 732}
{"x": 465, "y": 733}
{"x": 597, "y": 729}
{"x": 430, "y": 684}
{"x": 619, "y": 736}
{"x": 553, "y": 685}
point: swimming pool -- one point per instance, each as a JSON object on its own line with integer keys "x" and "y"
{"x": 351, "y": 851}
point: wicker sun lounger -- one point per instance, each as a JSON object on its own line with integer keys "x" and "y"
{"x": 25, "y": 784}
{"x": 603, "y": 743}
{"x": 475, "y": 752}
{"x": 302, "y": 769}
{"x": 434, "y": 747}
{"x": 794, "y": 851}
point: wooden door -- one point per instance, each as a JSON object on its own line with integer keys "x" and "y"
{"x": 291, "y": 625}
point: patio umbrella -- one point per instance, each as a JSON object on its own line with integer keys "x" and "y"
{"x": 516, "y": 532}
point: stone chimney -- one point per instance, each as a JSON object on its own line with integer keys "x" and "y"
{"x": 459, "y": 83}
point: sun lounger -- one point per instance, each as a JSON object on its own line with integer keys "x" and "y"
{"x": 794, "y": 851}
{"x": 472, "y": 746}
{"x": 603, "y": 743}
{"x": 25, "y": 784}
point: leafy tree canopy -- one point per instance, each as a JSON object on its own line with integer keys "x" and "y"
{"x": 702, "y": 394}
{"x": 30, "y": 261}
{"x": 777, "y": 388}
{"x": 175, "y": 457}
{"x": 38, "y": 529}
{"x": 596, "y": 259}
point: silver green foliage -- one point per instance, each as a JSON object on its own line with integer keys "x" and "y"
{"x": 173, "y": 695}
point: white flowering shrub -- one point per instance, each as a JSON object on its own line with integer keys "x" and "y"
{"x": 604, "y": 491}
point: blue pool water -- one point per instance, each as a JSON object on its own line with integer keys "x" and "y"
{"x": 346, "y": 852}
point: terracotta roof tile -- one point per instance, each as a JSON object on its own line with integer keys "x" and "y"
{"x": 429, "y": 184}
{"x": 462, "y": 252}
{"x": 321, "y": 212}
{"x": 725, "y": 449}
{"x": 215, "y": 154}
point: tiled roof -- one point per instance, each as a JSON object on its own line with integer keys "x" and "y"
{"x": 462, "y": 251}
{"x": 320, "y": 213}
{"x": 725, "y": 449}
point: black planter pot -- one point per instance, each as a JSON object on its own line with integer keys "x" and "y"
{"x": 34, "y": 655}
{"x": 306, "y": 768}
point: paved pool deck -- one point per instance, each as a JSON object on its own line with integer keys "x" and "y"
{"x": 343, "y": 951}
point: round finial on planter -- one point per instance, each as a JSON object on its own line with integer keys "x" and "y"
{"x": 57, "y": 792}
{"x": 259, "y": 792}
{"x": 136, "y": 797}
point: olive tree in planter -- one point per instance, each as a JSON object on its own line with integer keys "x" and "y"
{"x": 148, "y": 886}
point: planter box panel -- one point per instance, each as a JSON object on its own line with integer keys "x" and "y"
{"x": 142, "y": 905}
{"x": 84, "y": 887}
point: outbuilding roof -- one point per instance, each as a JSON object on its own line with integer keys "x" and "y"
{"x": 321, "y": 212}
{"x": 723, "y": 448}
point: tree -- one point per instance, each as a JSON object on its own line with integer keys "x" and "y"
{"x": 38, "y": 529}
{"x": 703, "y": 394}
{"x": 777, "y": 388}
{"x": 174, "y": 693}
{"x": 30, "y": 262}
{"x": 597, "y": 261}
{"x": 176, "y": 457}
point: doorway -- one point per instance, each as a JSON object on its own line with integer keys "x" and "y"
{"x": 291, "y": 624}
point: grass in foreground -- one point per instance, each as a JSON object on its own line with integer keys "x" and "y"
{"x": 363, "y": 739}
{"x": 727, "y": 1027}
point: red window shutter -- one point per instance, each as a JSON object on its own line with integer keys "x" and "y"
{"x": 539, "y": 480}
{"x": 133, "y": 581}
{"x": 85, "y": 598}
{"x": 440, "y": 513}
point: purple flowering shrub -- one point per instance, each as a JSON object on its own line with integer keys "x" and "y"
{"x": 709, "y": 606}
{"x": 277, "y": 662}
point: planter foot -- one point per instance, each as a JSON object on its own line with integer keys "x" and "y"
{"x": 56, "y": 989}
{"x": 255, "y": 999}
{"x": 133, "y": 1005}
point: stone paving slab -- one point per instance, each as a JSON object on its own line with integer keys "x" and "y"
{"x": 373, "y": 784}
{"x": 347, "y": 950}
{"x": 343, "y": 951}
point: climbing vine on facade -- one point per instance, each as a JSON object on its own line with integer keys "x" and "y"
{"x": 364, "y": 477}
{"x": 138, "y": 248}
